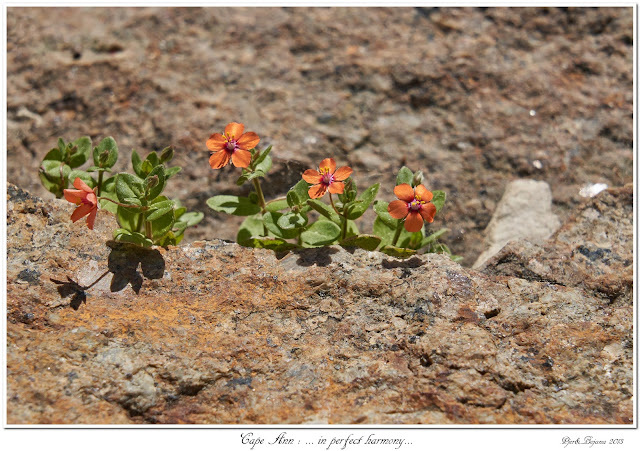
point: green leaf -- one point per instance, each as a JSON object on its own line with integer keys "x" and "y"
{"x": 352, "y": 229}
{"x": 397, "y": 252}
{"x": 82, "y": 151}
{"x": 84, "y": 176}
{"x": 109, "y": 191}
{"x": 56, "y": 171}
{"x": 404, "y": 176}
{"x": 146, "y": 168}
{"x": 127, "y": 236}
{"x": 155, "y": 191}
{"x": 350, "y": 191}
{"x": 265, "y": 164}
{"x": 248, "y": 175}
{"x": 161, "y": 224}
{"x": 456, "y": 258}
{"x": 274, "y": 244}
{"x": 412, "y": 241}
{"x": 438, "y": 199}
{"x": 234, "y": 205}
{"x": 54, "y": 154}
{"x": 292, "y": 220}
{"x": 153, "y": 159}
{"x": 271, "y": 222}
{"x": 321, "y": 233}
{"x": 129, "y": 186}
{"x": 381, "y": 209}
{"x": 136, "y": 162}
{"x": 191, "y": 218}
{"x": 159, "y": 211}
{"x": 357, "y": 208}
{"x": 298, "y": 194}
{"x": 170, "y": 172}
{"x": 51, "y": 186}
{"x": 251, "y": 227}
{"x": 277, "y": 205}
{"x": 433, "y": 237}
{"x": 325, "y": 210}
{"x": 62, "y": 146}
{"x": 368, "y": 242}
{"x": 109, "y": 145}
{"x": 128, "y": 218}
{"x": 261, "y": 158}
{"x": 384, "y": 231}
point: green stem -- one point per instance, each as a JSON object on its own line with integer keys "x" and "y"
{"x": 123, "y": 205}
{"x": 343, "y": 219}
{"x": 261, "y": 202}
{"x": 147, "y": 229}
{"x": 100, "y": 174}
{"x": 275, "y": 200}
{"x": 398, "y": 232}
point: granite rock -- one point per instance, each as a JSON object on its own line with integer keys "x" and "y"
{"x": 214, "y": 333}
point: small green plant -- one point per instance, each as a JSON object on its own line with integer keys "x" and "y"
{"x": 286, "y": 223}
{"x": 145, "y": 216}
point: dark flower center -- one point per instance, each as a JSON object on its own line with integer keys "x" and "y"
{"x": 415, "y": 205}
{"x": 327, "y": 176}
{"x": 231, "y": 145}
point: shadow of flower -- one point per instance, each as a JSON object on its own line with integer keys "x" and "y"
{"x": 124, "y": 260}
{"x": 320, "y": 256}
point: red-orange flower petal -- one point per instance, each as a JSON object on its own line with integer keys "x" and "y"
{"x": 328, "y": 163}
{"x": 248, "y": 141}
{"x": 317, "y": 191}
{"x": 216, "y": 142}
{"x": 73, "y": 195}
{"x": 79, "y": 184}
{"x": 312, "y": 176}
{"x": 404, "y": 192}
{"x": 336, "y": 188}
{"x": 413, "y": 223}
{"x": 234, "y": 130}
{"x": 219, "y": 159}
{"x": 82, "y": 210}
{"x": 428, "y": 211}
{"x": 342, "y": 173}
{"x": 91, "y": 219}
{"x": 398, "y": 209}
{"x": 241, "y": 158}
{"x": 423, "y": 193}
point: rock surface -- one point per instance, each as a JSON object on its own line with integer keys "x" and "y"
{"x": 473, "y": 97}
{"x": 523, "y": 212}
{"x": 211, "y": 332}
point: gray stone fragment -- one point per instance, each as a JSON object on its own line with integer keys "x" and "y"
{"x": 524, "y": 212}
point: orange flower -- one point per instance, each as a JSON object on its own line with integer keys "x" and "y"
{"x": 86, "y": 200}
{"x": 233, "y": 146}
{"x": 328, "y": 178}
{"x": 414, "y": 205}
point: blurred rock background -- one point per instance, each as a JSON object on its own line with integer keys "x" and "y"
{"x": 474, "y": 97}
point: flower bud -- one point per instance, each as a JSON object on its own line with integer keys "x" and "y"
{"x": 104, "y": 157}
{"x": 152, "y": 181}
{"x": 166, "y": 154}
{"x": 418, "y": 177}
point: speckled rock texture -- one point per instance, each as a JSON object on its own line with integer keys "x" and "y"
{"x": 473, "y": 97}
{"x": 211, "y": 333}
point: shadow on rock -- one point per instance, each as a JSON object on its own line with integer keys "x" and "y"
{"x": 320, "y": 256}
{"x": 413, "y": 262}
{"x": 75, "y": 290}
{"x": 124, "y": 260}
